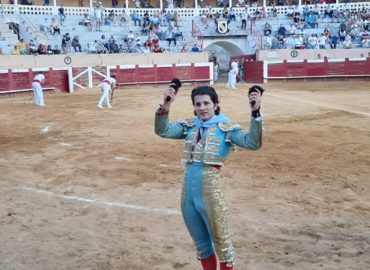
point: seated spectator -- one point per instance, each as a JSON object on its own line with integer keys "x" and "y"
{"x": 45, "y": 26}
{"x": 274, "y": 11}
{"x": 112, "y": 17}
{"x": 56, "y": 50}
{"x": 31, "y": 48}
{"x": 146, "y": 19}
{"x": 298, "y": 42}
{"x": 87, "y": 22}
{"x": 296, "y": 18}
{"x": 76, "y": 44}
{"x": 170, "y": 36}
{"x": 157, "y": 49}
{"x": 136, "y": 18}
{"x": 290, "y": 11}
{"x": 195, "y": 48}
{"x": 49, "y": 50}
{"x": 347, "y": 43}
{"x": 333, "y": 42}
{"x": 41, "y": 49}
{"x": 365, "y": 42}
{"x": 1, "y": 51}
{"x": 328, "y": 11}
{"x": 282, "y": 30}
{"x": 54, "y": 28}
{"x": 178, "y": 33}
{"x": 184, "y": 49}
{"x": 144, "y": 30}
{"x": 169, "y": 18}
{"x": 15, "y": 51}
{"x": 342, "y": 34}
{"x": 312, "y": 42}
{"x": 92, "y": 46}
{"x": 123, "y": 18}
{"x": 231, "y": 14}
{"x": 104, "y": 42}
{"x": 322, "y": 41}
{"x": 22, "y": 47}
{"x": 113, "y": 47}
{"x": 148, "y": 44}
{"x": 267, "y": 29}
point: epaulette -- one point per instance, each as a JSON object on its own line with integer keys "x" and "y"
{"x": 228, "y": 126}
{"x": 186, "y": 122}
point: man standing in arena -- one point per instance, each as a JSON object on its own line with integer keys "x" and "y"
{"x": 106, "y": 86}
{"x": 38, "y": 96}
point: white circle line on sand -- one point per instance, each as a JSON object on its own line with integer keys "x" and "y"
{"x": 321, "y": 104}
{"x": 161, "y": 211}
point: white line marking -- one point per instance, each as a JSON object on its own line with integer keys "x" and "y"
{"x": 45, "y": 128}
{"x": 122, "y": 158}
{"x": 161, "y": 211}
{"x": 65, "y": 144}
{"x": 321, "y": 104}
{"x": 169, "y": 166}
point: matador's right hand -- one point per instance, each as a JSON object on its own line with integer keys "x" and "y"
{"x": 169, "y": 96}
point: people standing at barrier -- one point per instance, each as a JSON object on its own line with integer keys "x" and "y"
{"x": 38, "y": 96}
{"x": 231, "y": 81}
{"x": 209, "y": 137}
{"x": 106, "y": 86}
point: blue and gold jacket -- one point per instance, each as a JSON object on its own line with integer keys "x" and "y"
{"x": 216, "y": 142}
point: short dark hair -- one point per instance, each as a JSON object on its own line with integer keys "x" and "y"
{"x": 206, "y": 90}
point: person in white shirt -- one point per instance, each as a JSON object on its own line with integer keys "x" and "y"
{"x": 231, "y": 82}
{"x": 216, "y": 67}
{"x": 347, "y": 43}
{"x": 38, "y": 96}
{"x": 99, "y": 15}
{"x": 322, "y": 41}
{"x": 312, "y": 42}
{"x": 106, "y": 86}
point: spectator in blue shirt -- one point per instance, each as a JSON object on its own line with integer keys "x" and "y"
{"x": 195, "y": 48}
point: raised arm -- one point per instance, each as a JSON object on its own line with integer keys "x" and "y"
{"x": 162, "y": 127}
{"x": 252, "y": 139}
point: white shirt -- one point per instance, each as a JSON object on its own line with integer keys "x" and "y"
{"x": 104, "y": 85}
{"x": 40, "y": 78}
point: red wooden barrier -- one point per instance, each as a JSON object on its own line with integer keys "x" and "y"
{"x": 15, "y": 80}
{"x": 326, "y": 68}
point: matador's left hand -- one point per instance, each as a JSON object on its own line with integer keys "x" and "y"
{"x": 255, "y": 100}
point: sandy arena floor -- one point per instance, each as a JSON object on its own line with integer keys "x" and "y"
{"x": 86, "y": 189}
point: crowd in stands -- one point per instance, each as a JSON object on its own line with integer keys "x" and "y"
{"x": 161, "y": 32}
{"x": 352, "y": 30}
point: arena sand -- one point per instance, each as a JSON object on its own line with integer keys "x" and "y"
{"x": 86, "y": 189}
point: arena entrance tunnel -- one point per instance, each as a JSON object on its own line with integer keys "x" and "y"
{"x": 223, "y": 50}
